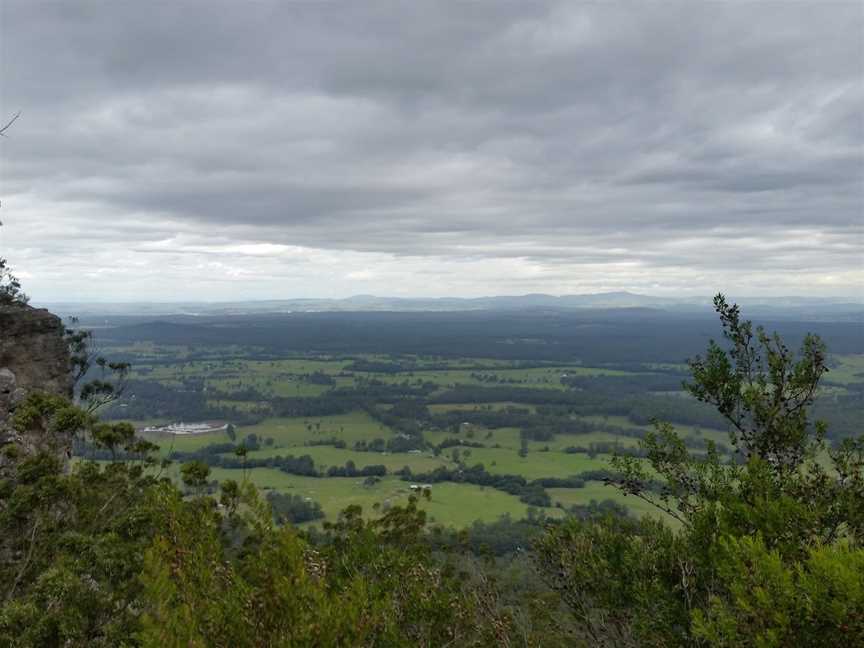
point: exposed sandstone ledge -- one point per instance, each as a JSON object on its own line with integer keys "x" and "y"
{"x": 33, "y": 357}
{"x": 32, "y": 346}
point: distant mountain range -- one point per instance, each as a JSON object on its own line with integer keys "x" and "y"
{"x": 807, "y": 308}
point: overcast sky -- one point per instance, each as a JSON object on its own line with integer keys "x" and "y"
{"x": 226, "y": 150}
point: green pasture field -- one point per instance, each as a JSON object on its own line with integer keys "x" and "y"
{"x": 510, "y": 438}
{"x": 540, "y": 378}
{"x": 506, "y": 461}
{"x": 562, "y": 441}
{"x": 845, "y": 369}
{"x": 456, "y": 505}
{"x": 505, "y": 437}
{"x": 241, "y": 406}
{"x": 718, "y": 436}
{"x": 327, "y": 456}
{"x": 665, "y": 366}
{"x": 287, "y": 433}
{"x": 598, "y": 491}
{"x": 218, "y": 372}
{"x": 285, "y": 377}
{"x": 459, "y": 363}
{"x": 449, "y": 378}
{"x": 293, "y": 432}
{"x": 453, "y": 504}
{"x": 169, "y": 443}
{"x": 280, "y": 386}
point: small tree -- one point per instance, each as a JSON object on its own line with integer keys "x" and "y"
{"x": 110, "y": 379}
{"x": 762, "y": 390}
{"x": 195, "y": 474}
{"x": 10, "y": 286}
{"x": 241, "y": 452}
{"x": 113, "y": 436}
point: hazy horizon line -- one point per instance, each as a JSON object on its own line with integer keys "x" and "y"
{"x": 697, "y": 296}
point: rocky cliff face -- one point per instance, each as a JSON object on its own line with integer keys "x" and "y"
{"x": 33, "y": 357}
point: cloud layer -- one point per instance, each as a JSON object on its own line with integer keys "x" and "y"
{"x": 203, "y": 150}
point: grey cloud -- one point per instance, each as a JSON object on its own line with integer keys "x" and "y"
{"x": 554, "y": 133}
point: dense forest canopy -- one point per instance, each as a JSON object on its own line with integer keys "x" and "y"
{"x": 591, "y": 336}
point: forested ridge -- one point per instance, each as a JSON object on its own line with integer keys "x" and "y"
{"x": 765, "y": 548}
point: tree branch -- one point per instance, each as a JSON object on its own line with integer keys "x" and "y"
{"x": 9, "y": 123}
{"x": 26, "y": 561}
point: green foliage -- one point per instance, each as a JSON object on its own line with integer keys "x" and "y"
{"x": 71, "y": 541}
{"x": 72, "y": 547}
{"x": 764, "y": 535}
{"x": 619, "y": 578}
{"x": 50, "y": 420}
{"x": 768, "y": 551}
{"x": 762, "y": 390}
{"x": 293, "y": 509}
{"x": 769, "y": 603}
{"x": 372, "y": 585}
{"x": 10, "y": 286}
{"x": 107, "y": 555}
{"x": 110, "y": 377}
{"x": 194, "y": 474}
{"x": 113, "y": 435}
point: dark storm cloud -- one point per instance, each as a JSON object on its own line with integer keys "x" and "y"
{"x": 677, "y": 139}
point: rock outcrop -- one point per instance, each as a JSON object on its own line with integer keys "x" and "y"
{"x": 33, "y": 357}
